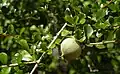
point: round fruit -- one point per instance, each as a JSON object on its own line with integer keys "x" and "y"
{"x": 70, "y": 49}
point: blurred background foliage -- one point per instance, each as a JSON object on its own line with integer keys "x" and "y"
{"x": 28, "y": 26}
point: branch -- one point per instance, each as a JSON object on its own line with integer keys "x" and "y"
{"x": 107, "y": 4}
{"x": 38, "y": 61}
{"x": 16, "y": 64}
{"x": 103, "y": 42}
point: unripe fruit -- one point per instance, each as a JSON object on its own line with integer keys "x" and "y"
{"x": 70, "y": 49}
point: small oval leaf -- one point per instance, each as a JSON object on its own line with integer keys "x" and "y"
{"x": 24, "y": 44}
{"x": 88, "y": 31}
{"x": 5, "y": 70}
{"x": 26, "y": 56}
{"x": 11, "y": 29}
{"x": 3, "y": 58}
{"x": 69, "y": 19}
{"x": 22, "y": 30}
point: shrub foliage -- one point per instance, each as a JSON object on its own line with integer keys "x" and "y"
{"x": 27, "y": 27}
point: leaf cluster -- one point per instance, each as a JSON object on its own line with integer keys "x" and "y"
{"x": 27, "y": 27}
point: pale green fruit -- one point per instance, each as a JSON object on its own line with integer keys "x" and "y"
{"x": 70, "y": 49}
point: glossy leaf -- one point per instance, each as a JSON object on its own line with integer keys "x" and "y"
{"x": 88, "y": 30}
{"x": 100, "y": 14}
{"x": 26, "y": 56}
{"x": 100, "y": 46}
{"x": 101, "y": 25}
{"x": 82, "y": 21}
{"x": 10, "y": 28}
{"x": 17, "y": 58}
{"x": 65, "y": 33}
{"x": 3, "y": 58}
{"x": 22, "y": 30}
{"x": 69, "y": 19}
{"x": 1, "y": 29}
{"x": 24, "y": 44}
{"x": 76, "y": 19}
{"x": 5, "y": 70}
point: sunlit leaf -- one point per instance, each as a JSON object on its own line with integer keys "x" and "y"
{"x": 17, "y": 58}
{"x": 100, "y": 46}
{"x": 5, "y": 70}
{"x": 82, "y": 21}
{"x": 100, "y": 14}
{"x": 88, "y": 30}
{"x": 24, "y": 44}
{"x": 3, "y": 58}
{"x": 26, "y": 56}
{"x": 22, "y": 30}
{"x": 102, "y": 25}
{"x": 65, "y": 32}
{"x": 69, "y": 19}
{"x": 76, "y": 19}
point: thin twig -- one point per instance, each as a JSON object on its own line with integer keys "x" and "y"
{"x": 16, "y": 64}
{"x": 107, "y": 4}
{"x": 38, "y": 61}
{"x": 103, "y": 42}
{"x": 57, "y": 35}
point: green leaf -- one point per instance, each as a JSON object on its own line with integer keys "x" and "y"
{"x": 86, "y": 3}
{"x": 26, "y": 56}
{"x": 118, "y": 34}
{"x": 99, "y": 34}
{"x": 114, "y": 7}
{"x": 116, "y": 21}
{"x": 100, "y": 14}
{"x": 101, "y": 25}
{"x": 76, "y": 8}
{"x": 83, "y": 38}
{"x": 110, "y": 45}
{"x": 83, "y": 62}
{"x": 17, "y": 58}
{"x": 78, "y": 33}
{"x": 88, "y": 30}
{"x": 110, "y": 38}
{"x": 5, "y": 70}
{"x": 82, "y": 21}
{"x": 10, "y": 29}
{"x": 99, "y": 58}
{"x": 76, "y": 19}
{"x": 34, "y": 28}
{"x": 22, "y": 30}
{"x": 3, "y": 58}
{"x": 53, "y": 46}
{"x": 43, "y": 45}
{"x": 24, "y": 44}
{"x": 69, "y": 19}
{"x": 58, "y": 41}
{"x": 115, "y": 63}
{"x": 100, "y": 46}
{"x": 37, "y": 36}
{"x": 82, "y": 15}
{"x": 19, "y": 72}
{"x": 1, "y": 29}
{"x": 65, "y": 32}
{"x": 118, "y": 58}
